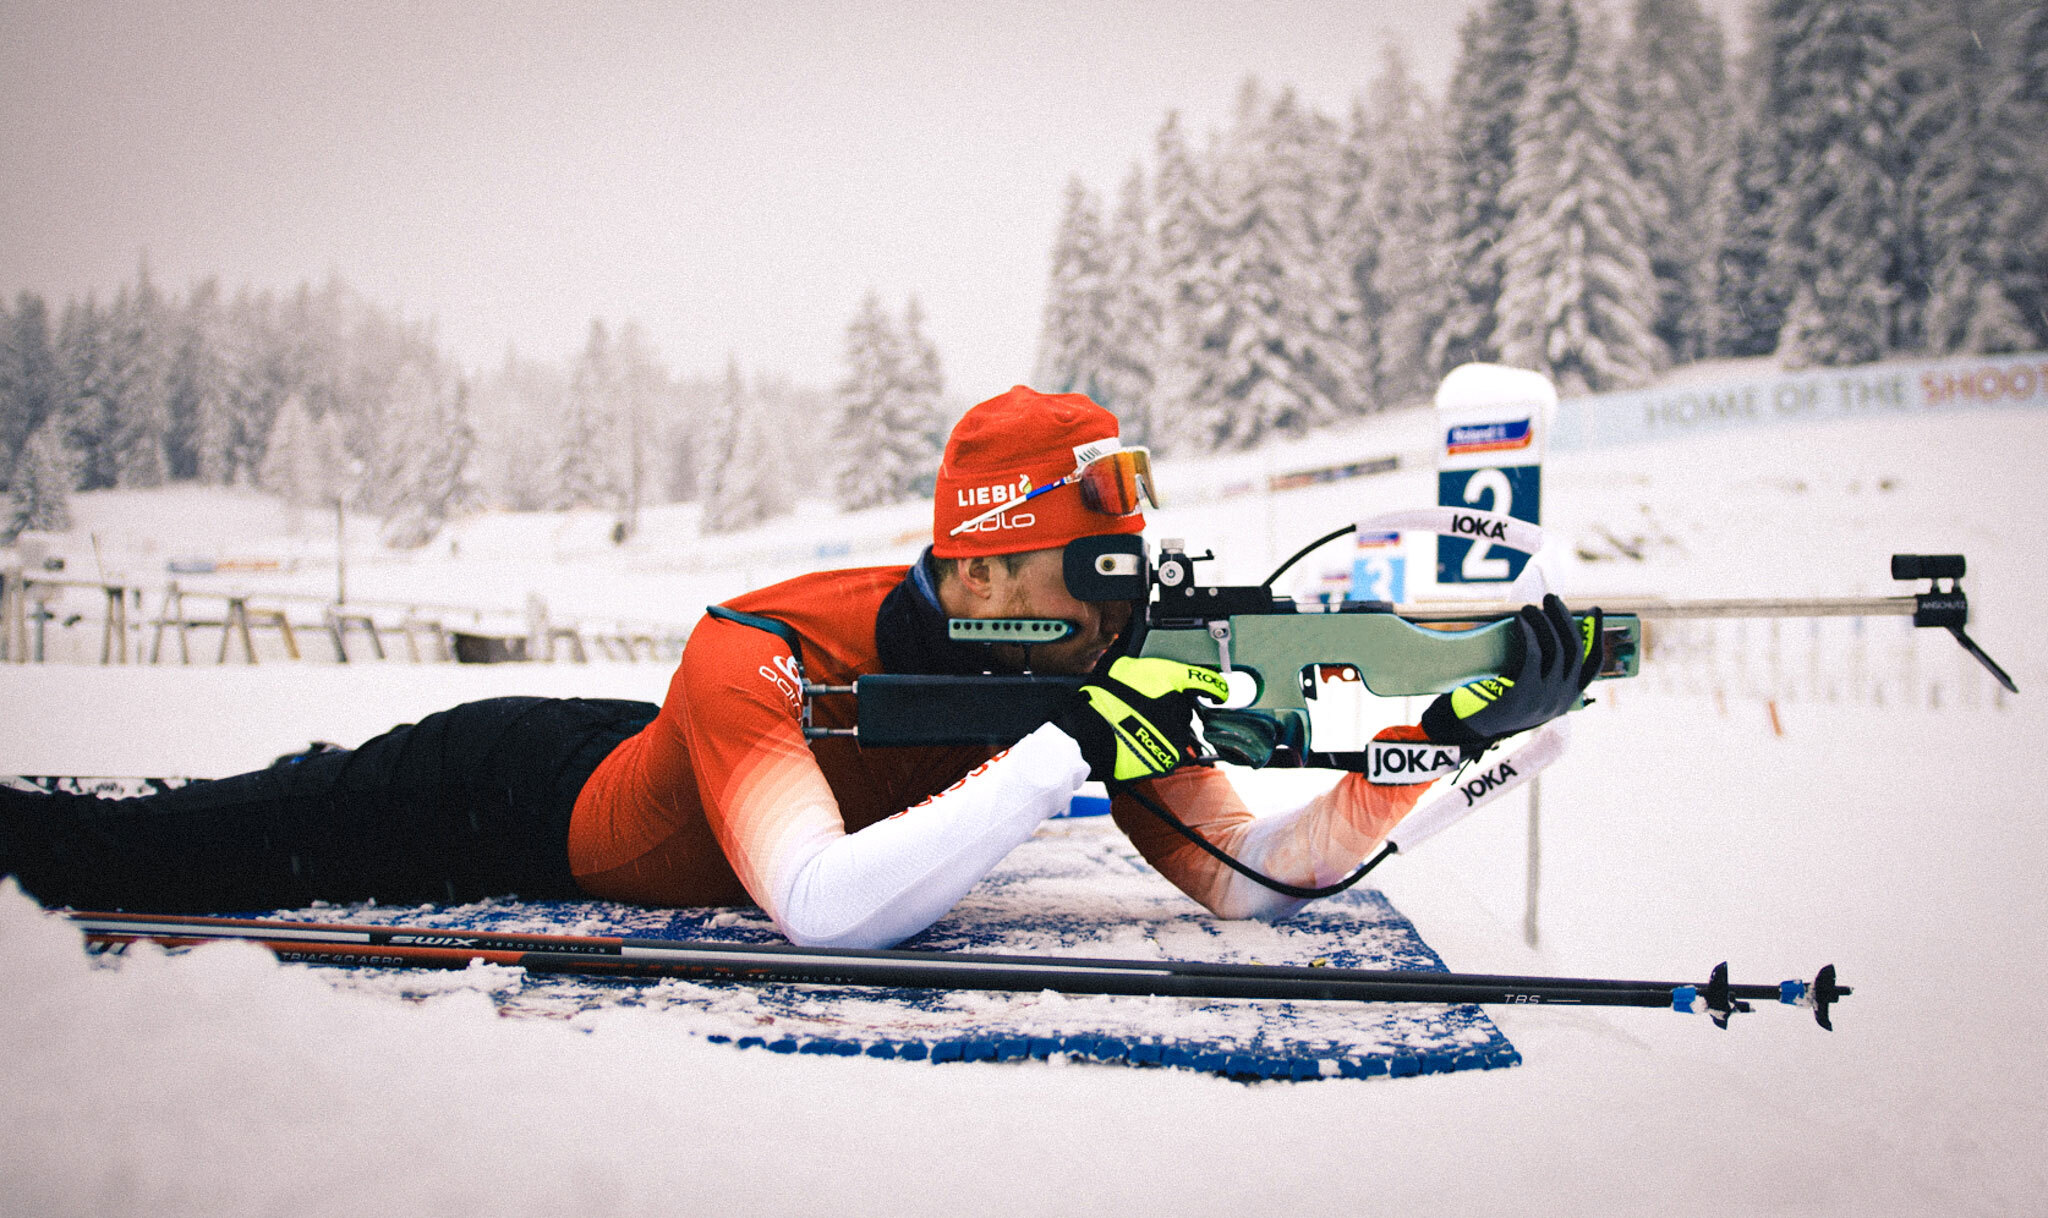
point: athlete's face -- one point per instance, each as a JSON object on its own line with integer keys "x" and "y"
{"x": 1038, "y": 588}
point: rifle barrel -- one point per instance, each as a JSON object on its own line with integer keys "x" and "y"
{"x": 1659, "y": 607}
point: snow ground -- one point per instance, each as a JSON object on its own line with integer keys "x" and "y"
{"x": 1890, "y": 825}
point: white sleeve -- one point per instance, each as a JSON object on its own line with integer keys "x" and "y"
{"x": 884, "y": 883}
{"x": 1312, "y": 845}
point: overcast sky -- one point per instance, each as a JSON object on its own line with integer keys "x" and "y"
{"x": 734, "y": 176}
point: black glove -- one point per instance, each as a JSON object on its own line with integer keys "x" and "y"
{"x": 1138, "y": 720}
{"x": 1557, "y": 659}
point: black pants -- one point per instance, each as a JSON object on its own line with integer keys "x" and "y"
{"x": 468, "y": 803}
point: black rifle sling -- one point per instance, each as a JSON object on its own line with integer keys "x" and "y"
{"x": 1258, "y": 877}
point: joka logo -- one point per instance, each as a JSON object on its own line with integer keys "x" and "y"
{"x": 1474, "y": 526}
{"x": 1391, "y": 763}
{"x": 1001, "y": 492}
{"x": 1139, "y": 735}
{"x": 1478, "y": 788}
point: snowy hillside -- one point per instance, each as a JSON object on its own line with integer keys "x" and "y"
{"x": 1777, "y": 796}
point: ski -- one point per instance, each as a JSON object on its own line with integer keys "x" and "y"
{"x": 757, "y": 964}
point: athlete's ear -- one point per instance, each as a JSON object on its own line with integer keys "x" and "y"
{"x": 976, "y": 576}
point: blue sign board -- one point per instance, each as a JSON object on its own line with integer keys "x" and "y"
{"x": 1515, "y": 490}
{"x": 1379, "y": 577}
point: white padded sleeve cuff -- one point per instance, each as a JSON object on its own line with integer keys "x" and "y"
{"x": 890, "y": 880}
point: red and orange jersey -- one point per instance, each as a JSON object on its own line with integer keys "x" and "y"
{"x": 693, "y": 809}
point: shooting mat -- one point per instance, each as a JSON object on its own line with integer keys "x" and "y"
{"x": 1076, "y": 889}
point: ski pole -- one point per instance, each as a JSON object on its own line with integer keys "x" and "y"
{"x": 433, "y": 947}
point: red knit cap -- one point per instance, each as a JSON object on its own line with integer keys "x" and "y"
{"x": 1003, "y": 448}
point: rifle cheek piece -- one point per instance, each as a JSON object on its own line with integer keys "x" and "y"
{"x": 1108, "y": 567}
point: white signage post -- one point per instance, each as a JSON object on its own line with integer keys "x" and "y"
{"x": 1494, "y": 421}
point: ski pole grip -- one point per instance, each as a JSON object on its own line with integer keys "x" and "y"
{"x": 1927, "y": 566}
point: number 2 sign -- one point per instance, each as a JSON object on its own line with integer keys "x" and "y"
{"x": 1513, "y": 490}
{"x": 1493, "y": 419}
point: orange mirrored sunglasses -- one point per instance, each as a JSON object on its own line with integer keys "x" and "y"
{"x": 1116, "y": 483}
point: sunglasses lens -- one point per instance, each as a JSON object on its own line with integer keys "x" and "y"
{"x": 1120, "y": 483}
{"x": 1148, "y": 490}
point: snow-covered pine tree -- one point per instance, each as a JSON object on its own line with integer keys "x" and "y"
{"x": 1280, "y": 336}
{"x": 408, "y": 421}
{"x": 29, "y": 383}
{"x": 230, "y": 450}
{"x": 890, "y": 429}
{"x": 112, "y": 387}
{"x": 1749, "y": 311}
{"x": 516, "y": 407}
{"x": 865, "y": 472}
{"x": 137, "y": 363}
{"x": 1132, "y": 312}
{"x": 922, "y": 424}
{"x": 1677, "y": 113}
{"x": 1831, "y": 114}
{"x": 264, "y": 371}
{"x": 1577, "y": 293}
{"x": 1355, "y": 237}
{"x": 344, "y": 355}
{"x": 1073, "y": 337}
{"x": 692, "y": 415}
{"x": 640, "y": 386}
{"x": 451, "y": 484}
{"x": 1481, "y": 110}
{"x": 587, "y": 459}
{"x": 355, "y": 359}
{"x": 2022, "y": 217}
{"x": 196, "y": 381}
{"x": 433, "y": 482}
{"x": 1970, "y": 150}
{"x": 38, "y": 493}
{"x": 749, "y": 480}
{"x": 87, "y": 397}
{"x": 1398, "y": 274}
{"x": 1184, "y": 269}
{"x": 293, "y": 468}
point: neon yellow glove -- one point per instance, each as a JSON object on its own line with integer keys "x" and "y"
{"x": 1138, "y": 720}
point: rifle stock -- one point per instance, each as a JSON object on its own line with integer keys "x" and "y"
{"x": 1281, "y": 647}
{"x": 1398, "y": 652}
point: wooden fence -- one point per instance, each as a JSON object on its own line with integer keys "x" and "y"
{"x": 41, "y": 617}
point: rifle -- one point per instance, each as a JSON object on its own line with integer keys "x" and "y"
{"x": 1285, "y": 648}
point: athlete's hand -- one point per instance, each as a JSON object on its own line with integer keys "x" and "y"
{"x": 1137, "y": 721}
{"x": 1551, "y": 665}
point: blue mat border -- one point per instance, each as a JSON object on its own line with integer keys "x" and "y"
{"x": 1243, "y": 1066}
